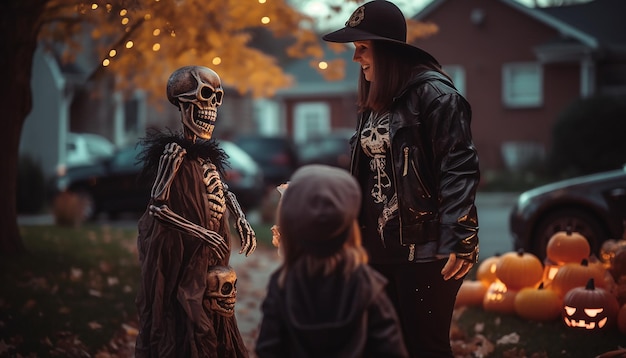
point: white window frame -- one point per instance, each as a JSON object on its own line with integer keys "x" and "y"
{"x": 522, "y": 85}
{"x": 311, "y": 119}
{"x": 457, "y": 73}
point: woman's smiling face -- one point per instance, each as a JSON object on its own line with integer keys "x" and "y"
{"x": 364, "y": 55}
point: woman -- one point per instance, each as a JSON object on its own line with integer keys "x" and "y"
{"x": 417, "y": 166}
{"x": 324, "y": 301}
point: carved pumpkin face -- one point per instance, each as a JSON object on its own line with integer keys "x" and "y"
{"x": 499, "y": 298}
{"x": 589, "y": 308}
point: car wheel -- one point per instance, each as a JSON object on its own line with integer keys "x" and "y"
{"x": 579, "y": 221}
{"x": 89, "y": 204}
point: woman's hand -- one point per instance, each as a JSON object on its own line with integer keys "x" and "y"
{"x": 456, "y": 268}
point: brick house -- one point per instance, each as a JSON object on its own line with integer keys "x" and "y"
{"x": 518, "y": 66}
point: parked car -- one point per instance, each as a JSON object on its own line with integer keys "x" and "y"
{"x": 276, "y": 155}
{"x": 114, "y": 185}
{"x": 87, "y": 148}
{"x": 332, "y": 149}
{"x": 593, "y": 205}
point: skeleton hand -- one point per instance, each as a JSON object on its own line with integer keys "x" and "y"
{"x": 169, "y": 163}
{"x": 247, "y": 235}
{"x": 165, "y": 215}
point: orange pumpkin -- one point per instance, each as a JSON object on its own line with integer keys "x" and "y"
{"x": 538, "y": 304}
{"x": 519, "y": 269}
{"x": 486, "y": 271}
{"x": 567, "y": 246}
{"x": 573, "y": 275}
{"x": 471, "y": 293}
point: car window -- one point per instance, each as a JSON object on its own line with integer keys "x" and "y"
{"x": 126, "y": 159}
{"x": 237, "y": 156}
{"x": 99, "y": 148}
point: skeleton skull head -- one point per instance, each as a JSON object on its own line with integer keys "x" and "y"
{"x": 222, "y": 290}
{"x": 197, "y": 92}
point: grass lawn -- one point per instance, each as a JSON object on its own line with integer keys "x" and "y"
{"x": 72, "y": 295}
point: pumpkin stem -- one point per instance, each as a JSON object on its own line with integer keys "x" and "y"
{"x": 540, "y": 286}
{"x": 584, "y": 262}
{"x": 590, "y": 285}
{"x": 520, "y": 252}
{"x": 569, "y": 230}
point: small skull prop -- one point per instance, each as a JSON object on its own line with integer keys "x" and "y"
{"x": 222, "y": 290}
{"x": 197, "y": 92}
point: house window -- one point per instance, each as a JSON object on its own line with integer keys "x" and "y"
{"x": 522, "y": 85}
{"x": 457, "y": 73}
{"x": 311, "y": 120}
{"x": 522, "y": 155}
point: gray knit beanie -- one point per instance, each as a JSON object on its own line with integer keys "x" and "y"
{"x": 319, "y": 207}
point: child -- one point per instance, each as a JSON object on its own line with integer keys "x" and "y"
{"x": 324, "y": 300}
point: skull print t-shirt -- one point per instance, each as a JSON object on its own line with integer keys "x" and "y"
{"x": 380, "y": 203}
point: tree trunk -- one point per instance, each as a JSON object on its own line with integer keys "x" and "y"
{"x": 19, "y": 26}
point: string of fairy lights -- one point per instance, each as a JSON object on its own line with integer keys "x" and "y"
{"x": 156, "y": 46}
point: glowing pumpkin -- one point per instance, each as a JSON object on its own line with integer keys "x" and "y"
{"x": 538, "y": 304}
{"x": 519, "y": 269}
{"x": 567, "y": 246}
{"x": 589, "y": 308}
{"x": 486, "y": 271}
{"x": 499, "y": 298}
{"x": 609, "y": 248}
{"x": 550, "y": 269}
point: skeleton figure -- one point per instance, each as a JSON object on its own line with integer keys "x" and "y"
{"x": 375, "y": 143}
{"x": 187, "y": 295}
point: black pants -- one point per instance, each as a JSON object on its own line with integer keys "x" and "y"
{"x": 424, "y": 302}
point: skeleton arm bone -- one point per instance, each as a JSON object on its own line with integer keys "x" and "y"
{"x": 165, "y": 215}
{"x": 169, "y": 163}
{"x": 246, "y": 233}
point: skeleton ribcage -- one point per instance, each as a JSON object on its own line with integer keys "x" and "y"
{"x": 214, "y": 194}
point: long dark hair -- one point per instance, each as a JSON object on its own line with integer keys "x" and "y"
{"x": 394, "y": 66}
{"x": 345, "y": 261}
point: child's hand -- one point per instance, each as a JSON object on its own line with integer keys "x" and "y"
{"x": 275, "y": 236}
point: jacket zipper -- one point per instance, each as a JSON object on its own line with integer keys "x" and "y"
{"x": 405, "y": 171}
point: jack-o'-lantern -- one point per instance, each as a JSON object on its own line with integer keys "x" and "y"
{"x": 589, "y": 308}
{"x": 499, "y": 298}
{"x": 486, "y": 271}
{"x": 618, "y": 263}
{"x": 550, "y": 269}
{"x": 608, "y": 250}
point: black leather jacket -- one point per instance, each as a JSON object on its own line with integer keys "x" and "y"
{"x": 435, "y": 169}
